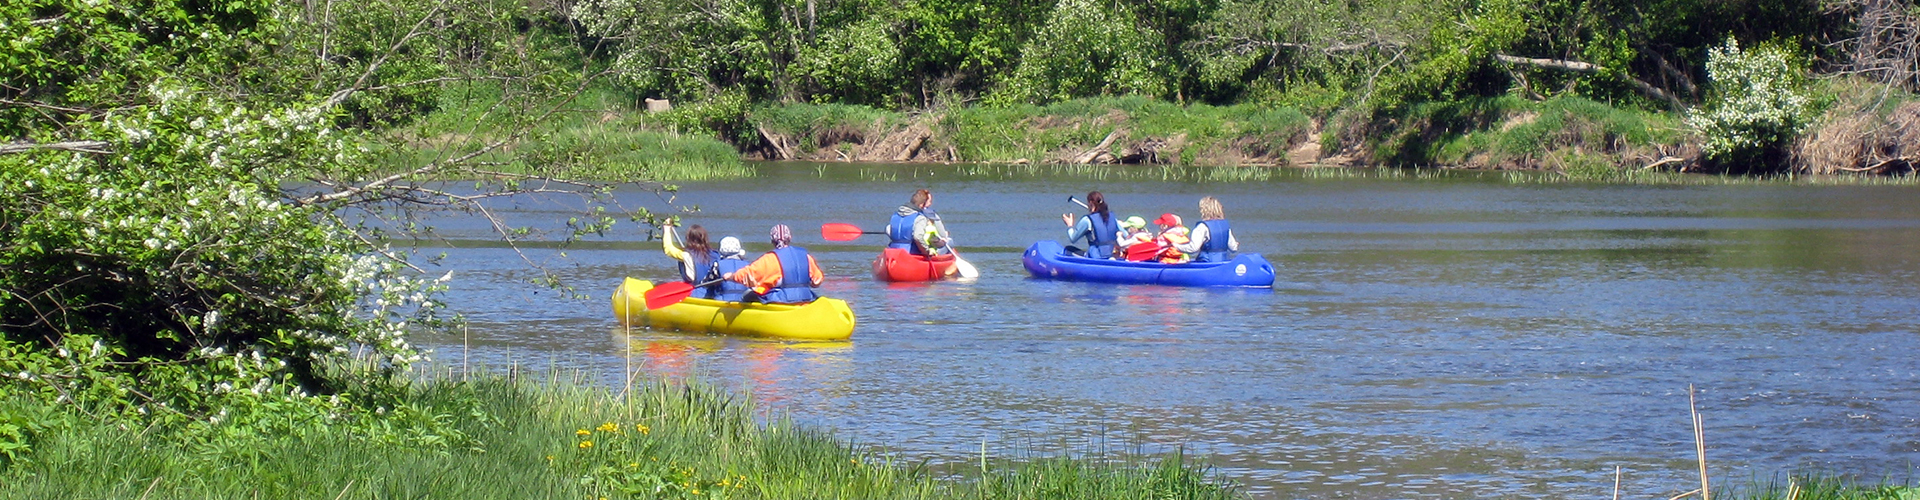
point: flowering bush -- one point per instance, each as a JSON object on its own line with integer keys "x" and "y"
{"x": 175, "y": 259}
{"x": 1760, "y": 104}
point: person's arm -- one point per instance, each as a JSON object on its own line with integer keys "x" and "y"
{"x": 762, "y": 275}
{"x": 813, "y": 271}
{"x": 673, "y": 249}
{"x": 1079, "y": 230}
{"x": 1196, "y": 238}
{"x": 1232, "y": 244}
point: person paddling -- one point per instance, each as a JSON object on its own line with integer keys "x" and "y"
{"x": 784, "y": 275}
{"x": 1212, "y": 239}
{"x": 696, "y": 261}
{"x": 1098, "y": 227}
{"x": 916, "y": 228}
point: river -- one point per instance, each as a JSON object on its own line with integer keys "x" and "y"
{"x": 1447, "y": 336}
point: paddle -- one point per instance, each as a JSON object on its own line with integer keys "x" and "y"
{"x": 834, "y": 231}
{"x": 1077, "y": 201}
{"x": 672, "y": 293}
{"x": 1143, "y": 252}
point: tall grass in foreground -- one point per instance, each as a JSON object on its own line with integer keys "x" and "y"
{"x": 1822, "y": 487}
{"x": 551, "y": 439}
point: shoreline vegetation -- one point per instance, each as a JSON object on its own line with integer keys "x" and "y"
{"x": 1573, "y": 137}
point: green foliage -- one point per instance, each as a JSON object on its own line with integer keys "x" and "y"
{"x": 854, "y": 63}
{"x": 491, "y": 437}
{"x": 1761, "y": 102}
{"x": 77, "y": 57}
{"x": 1088, "y": 48}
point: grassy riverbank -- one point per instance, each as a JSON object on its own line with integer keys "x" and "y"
{"x": 494, "y": 437}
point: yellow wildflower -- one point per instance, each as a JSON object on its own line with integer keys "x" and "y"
{"x": 642, "y": 428}
{"x": 608, "y": 427}
{"x": 582, "y": 432}
{"x": 633, "y": 465}
{"x": 586, "y": 444}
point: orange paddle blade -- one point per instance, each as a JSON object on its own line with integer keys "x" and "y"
{"x": 835, "y": 231}
{"x": 668, "y": 294}
{"x": 1143, "y": 252}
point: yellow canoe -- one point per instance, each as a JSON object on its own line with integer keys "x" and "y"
{"x": 824, "y": 319}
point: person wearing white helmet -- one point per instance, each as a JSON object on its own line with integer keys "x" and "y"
{"x": 732, "y": 259}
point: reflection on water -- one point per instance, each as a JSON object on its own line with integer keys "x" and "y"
{"x": 1445, "y": 337}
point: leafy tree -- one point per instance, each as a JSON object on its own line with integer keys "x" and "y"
{"x": 1088, "y": 48}
{"x": 176, "y": 217}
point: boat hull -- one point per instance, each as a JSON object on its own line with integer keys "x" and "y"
{"x": 1047, "y": 260}
{"x": 895, "y": 264}
{"x": 823, "y": 319}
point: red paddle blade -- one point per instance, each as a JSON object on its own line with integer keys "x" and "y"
{"x": 668, "y": 294}
{"x": 834, "y": 231}
{"x": 1143, "y": 252}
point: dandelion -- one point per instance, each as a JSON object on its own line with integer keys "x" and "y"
{"x": 608, "y": 427}
{"x": 642, "y": 428}
{"x": 549, "y": 458}
{"x": 582, "y": 432}
{"x": 586, "y": 444}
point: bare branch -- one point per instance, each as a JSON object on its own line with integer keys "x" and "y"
{"x": 1583, "y": 67}
{"x": 94, "y": 147}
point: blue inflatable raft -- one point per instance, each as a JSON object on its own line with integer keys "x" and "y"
{"x": 1047, "y": 260}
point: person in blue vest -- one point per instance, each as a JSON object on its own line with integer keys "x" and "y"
{"x": 696, "y": 260}
{"x": 916, "y": 228}
{"x": 785, "y": 275}
{"x": 732, "y": 260}
{"x": 1212, "y": 239}
{"x": 1098, "y": 227}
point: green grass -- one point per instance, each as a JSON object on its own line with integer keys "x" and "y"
{"x": 502, "y": 438}
{"x": 1825, "y": 487}
{"x": 599, "y": 136}
{"x": 1484, "y": 132}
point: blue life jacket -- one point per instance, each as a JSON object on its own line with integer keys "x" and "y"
{"x": 900, "y": 231}
{"x": 702, "y": 269}
{"x": 1104, "y": 236}
{"x": 1216, "y": 248}
{"x": 728, "y": 290}
{"x": 796, "y": 283}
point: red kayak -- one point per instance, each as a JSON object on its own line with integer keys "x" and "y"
{"x": 895, "y": 264}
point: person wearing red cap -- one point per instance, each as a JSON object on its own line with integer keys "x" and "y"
{"x": 785, "y": 275}
{"x": 1212, "y": 239}
{"x": 1172, "y": 235}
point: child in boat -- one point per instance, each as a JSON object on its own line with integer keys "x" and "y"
{"x": 732, "y": 260}
{"x": 1212, "y": 239}
{"x": 1133, "y": 232}
{"x": 1172, "y": 235}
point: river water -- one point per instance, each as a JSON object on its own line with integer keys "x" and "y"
{"x": 1447, "y": 336}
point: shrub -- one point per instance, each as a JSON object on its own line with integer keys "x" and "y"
{"x": 1760, "y": 103}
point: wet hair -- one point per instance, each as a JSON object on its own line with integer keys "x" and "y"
{"x": 697, "y": 240}
{"x": 1210, "y": 209}
{"x": 1097, "y": 203}
{"x": 920, "y": 198}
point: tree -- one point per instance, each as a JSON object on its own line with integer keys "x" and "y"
{"x": 179, "y": 181}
